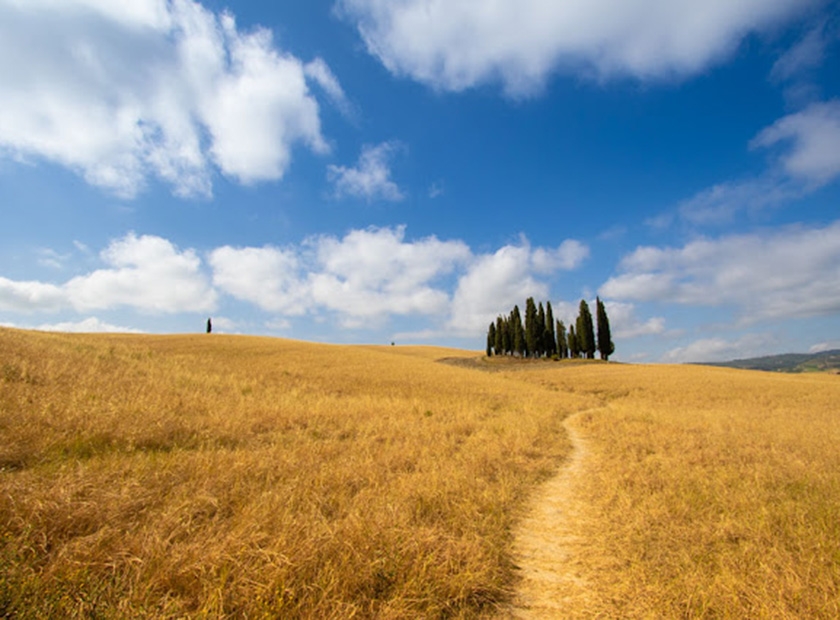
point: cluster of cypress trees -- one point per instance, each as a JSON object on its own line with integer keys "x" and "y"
{"x": 542, "y": 336}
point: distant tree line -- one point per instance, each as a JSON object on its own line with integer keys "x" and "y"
{"x": 541, "y": 336}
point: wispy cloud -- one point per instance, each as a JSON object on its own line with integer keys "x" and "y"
{"x": 804, "y": 157}
{"x": 370, "y": 179}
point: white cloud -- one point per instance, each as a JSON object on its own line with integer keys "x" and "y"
{"x": 359, "y": 280}
{"x": 378, "y": 273}
{"x": 17, "y": 296}
{"x": 718, "y": 349}
{"x": 569, "y": 255}
{"x": 371, "y": 178}
{"x": 814, "y": 134}
{"x": 792, "y": 272}
{"x": 458, "y": 44}
{"x": 146, "y": 273}
{"x": 624, "y": 324}
{"x": 495, "y": 282}
{"x": 268, "y": 277}
{"x": 365, "y": 274}
{"x": 374, "y": 272}
{"x": 123, "y": 91}
{"x": 89, "y": 325}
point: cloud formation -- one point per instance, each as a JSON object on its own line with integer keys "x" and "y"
{"x": 793, "y": 272}
{"x": 360, "y": 279}
{"x": 121, "y": 92}
{"x": 459, "y": 44}
{"x": 370, "y": 179}
{"x": 146, "y": 273}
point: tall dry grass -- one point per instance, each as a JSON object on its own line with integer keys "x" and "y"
{"x": 711, "y": 493}
{"x": 229, "y": 477}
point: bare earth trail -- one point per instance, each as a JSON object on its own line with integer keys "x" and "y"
{"x": 548, "y": 548}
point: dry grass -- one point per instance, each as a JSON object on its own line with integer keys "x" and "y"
{"x": 219, "y": 476}
{"x": 711, "y": 493}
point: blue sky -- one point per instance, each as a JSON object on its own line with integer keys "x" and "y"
{"x": 374, "y": 171}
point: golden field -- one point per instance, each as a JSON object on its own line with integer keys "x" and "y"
{"x": 214, "y": 476}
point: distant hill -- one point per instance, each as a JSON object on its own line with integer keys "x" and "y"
{"x": 788, "y": 362}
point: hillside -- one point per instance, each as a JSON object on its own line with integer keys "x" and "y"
{"x": 790, "y": 362}
{"x": 219, "y": 476}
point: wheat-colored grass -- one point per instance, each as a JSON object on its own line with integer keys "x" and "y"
{"x": 709, "y": 493}
{"x": 210, "y": 476}
{"x": 218, "y": 476}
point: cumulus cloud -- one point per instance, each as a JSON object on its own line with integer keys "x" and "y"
{"x": 29, "y": 296}
{"x": 364, "y": 274}
{"x": 493, "y": 283}
{"x": 458, "y": 44}
{"x": 793, "y": 272}
{"x": 372, "y": 272}
{"x": 625, "y": 324}
{"x": 145, "y": 273}
{"x": 370, "y": 178}
{"x": 267, "y": 277}
{"x": 121, "y": 92}
{"x": 357, "y": 279}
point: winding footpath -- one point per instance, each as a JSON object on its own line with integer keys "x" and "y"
{"x": 547, "y": 547}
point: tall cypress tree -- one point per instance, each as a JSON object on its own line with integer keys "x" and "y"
{"x": 605, "y": 343}
{"x": 517, "y": 332}
{"x": 548, "y": 336}
{"x": 562, "y": 343}
{"x": 586, "y": 331}
{"x": 540, "y": 329}
{"x": 532, "y": 331}
{"x": 574, "y": 346}
{"x": 498, "y": 342}
{"x": 491, "y": 339}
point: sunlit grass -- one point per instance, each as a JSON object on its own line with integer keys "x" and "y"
{"x": 711, "y": 493}
{"x": 243, "y": 476}
{"x": 209, "y": 476}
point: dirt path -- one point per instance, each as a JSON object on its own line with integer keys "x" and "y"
{"x": 547, "y": 548}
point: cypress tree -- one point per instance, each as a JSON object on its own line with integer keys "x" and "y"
{"x": 605, "y": 343}
{"x": 517, "y": 332}
{"x": 491, "y": 339}
{"x": 586, "y": 331}
{"x": 498, "y": 341}
{"x": 574, "y": 348}
{"x": 542, "y": 346}
{"x": 562, "y": 343}
{"x": 507, "y": 345}
{"x": 532, "y": 331}
{"x": 549, "y": 337}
